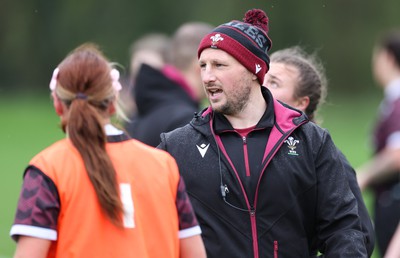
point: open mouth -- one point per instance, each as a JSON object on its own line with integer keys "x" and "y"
{"x": 214, "y": 91}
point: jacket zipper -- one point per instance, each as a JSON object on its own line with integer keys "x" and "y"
{"x": 252, "y": 210}
{"x": 254, "y": 229}
{"x": 246, "y": 156}
{"x": 253, "y": 221}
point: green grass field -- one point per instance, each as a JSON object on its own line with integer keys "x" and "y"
{"x": 29, "y": 124}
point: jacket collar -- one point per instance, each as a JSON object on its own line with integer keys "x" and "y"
{"x": 288, "y": 117}
{"x": 221, "y": 124}
{"x": 114, "y": 134}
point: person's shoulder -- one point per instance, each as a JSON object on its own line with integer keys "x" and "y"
{"x": 146, "y": 151}
{"x": 62, "y": 151}
{"x": 180, "y": 115}
{"x": 199, "y": 125}
{"x": 56, "y": 148}
{"x": 310, "y": 125}
{"x": 181, "y": 131}
{"x": 314, "y": 131}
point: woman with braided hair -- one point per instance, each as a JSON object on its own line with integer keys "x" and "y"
{"x": 98, "y": 193}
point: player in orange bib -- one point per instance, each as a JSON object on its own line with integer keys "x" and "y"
{"x": 98, "y": 193}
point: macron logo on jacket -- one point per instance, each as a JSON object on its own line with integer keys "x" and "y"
{"x": 203, "y": 149}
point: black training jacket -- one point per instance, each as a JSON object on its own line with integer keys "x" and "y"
{"x": 301, "y": 202}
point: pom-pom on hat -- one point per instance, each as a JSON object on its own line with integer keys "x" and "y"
{"x": 246, "y": 41}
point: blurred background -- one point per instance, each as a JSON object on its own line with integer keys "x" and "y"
{"x": 35, "y": 35}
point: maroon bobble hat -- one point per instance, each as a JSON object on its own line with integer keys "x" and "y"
{"x": 246, "y": 41}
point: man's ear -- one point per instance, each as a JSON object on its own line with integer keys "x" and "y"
{"x": 58, "y": 105}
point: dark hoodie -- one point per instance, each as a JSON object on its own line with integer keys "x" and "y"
{"x": 162, "y": 105}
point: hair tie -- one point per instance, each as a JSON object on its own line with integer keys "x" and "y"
{"x": 81, "y": 95}
{"x": 53, "y": 82}
{"x": 115, "y": 79}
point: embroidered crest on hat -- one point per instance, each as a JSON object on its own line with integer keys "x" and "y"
{"x": 215, "y": 39}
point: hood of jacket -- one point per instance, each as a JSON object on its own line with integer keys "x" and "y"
{"x": 153, "y": 89}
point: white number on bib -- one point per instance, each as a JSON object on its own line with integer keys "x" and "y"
{"x": 127, "y": 204}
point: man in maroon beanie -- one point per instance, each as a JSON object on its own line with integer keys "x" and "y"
{"x": 263, "y": 180}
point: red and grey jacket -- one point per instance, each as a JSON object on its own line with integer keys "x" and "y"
{"x": 281, "y": 191}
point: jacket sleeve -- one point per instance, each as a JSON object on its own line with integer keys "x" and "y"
{"x": 338, "y": 223}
